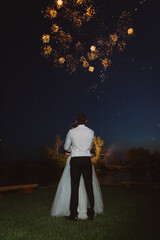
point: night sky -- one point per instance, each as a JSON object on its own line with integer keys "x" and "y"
{"x": 39, "y": 101}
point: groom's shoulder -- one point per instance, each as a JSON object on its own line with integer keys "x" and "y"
{"x": 89, "y": 129}
{"x": 77, "y": 129}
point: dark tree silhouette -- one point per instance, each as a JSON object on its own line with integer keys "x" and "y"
{"x": 58, "y": 143}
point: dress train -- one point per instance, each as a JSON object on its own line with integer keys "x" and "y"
{"x": 60, "y": 206}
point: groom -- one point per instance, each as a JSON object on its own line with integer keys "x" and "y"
{"x": 80, "y": 141}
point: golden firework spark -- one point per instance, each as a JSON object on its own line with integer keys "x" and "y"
{"x": 61, "y": 60}
{"x": 71, "y": 63}
{"x": 69, "y": 58}
{"x": 121, "y": 46}
{"x": 130, "y": 31}
{"x": 91, "y": 69}
{"x": 69, "y": 38}
{"x": 106, "y": 62}
{"x": 85, "y": 64}
{"x": 93, "y": 48}
{"x": 90, "y": 12}
{"x": 78, "y": 22}
{"x": 124, "y": 23}
{"x": 59, "y": 3}
{"x": 79, "y": 46}
{"x": 64, "y": 37}
{"x": 109, "y": 49}
{"x": 71, "y": 15}
{"x": 82, "y": 59}
{"x": 113, "y": 38}
{"x": 55, "y": 28}
{"x": 74, "y": 16}
{"x": 56, "y": 59}
{"x": 51, "y": 12}
{"x": 92, "y": 55}
{"x": 46, "y": 38}
{"x": 47, "y": 50}
{"x": 83, "y": 2}
{"x": 79, "y": 1}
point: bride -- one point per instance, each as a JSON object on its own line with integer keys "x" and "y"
{"x": 61, "y": 203}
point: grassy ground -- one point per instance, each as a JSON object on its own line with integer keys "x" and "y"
{"x": 129, "y": 214}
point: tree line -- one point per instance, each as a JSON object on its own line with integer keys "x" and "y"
{"x": 139, "y": 157}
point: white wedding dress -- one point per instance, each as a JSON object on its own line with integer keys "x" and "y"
{"x": 61, "y": 203}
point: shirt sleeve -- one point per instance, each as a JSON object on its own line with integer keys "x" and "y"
{"x": 67, "y": 144}
{"x": 92, "y": 139}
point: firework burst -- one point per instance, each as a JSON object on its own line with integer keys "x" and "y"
{"x": 74, "y": 24}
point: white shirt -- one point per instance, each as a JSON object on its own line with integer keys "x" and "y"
{"x": 79, "y": 141}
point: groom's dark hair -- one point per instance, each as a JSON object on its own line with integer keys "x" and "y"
{"x": 81, "y": 118}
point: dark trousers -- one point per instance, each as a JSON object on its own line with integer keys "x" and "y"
{"x": 81, "y": 166}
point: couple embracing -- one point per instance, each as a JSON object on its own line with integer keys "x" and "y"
{"x": 78, "y": 194}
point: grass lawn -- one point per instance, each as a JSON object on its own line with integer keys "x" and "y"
{"x": 129, "y": 214}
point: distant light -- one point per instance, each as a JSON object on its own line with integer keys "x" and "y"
{"x": 151, "y": 67}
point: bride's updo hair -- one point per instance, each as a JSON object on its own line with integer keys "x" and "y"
{"x": 81, "y": 118}
{"x": 73, "y": 125}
